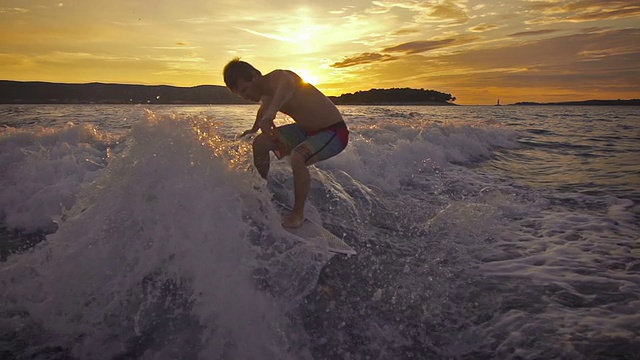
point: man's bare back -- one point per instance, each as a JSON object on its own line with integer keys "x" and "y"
{"x": 307, "y": 105}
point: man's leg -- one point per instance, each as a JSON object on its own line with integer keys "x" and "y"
{"x": 318, "y": 147}
{"x": 301, "y": 183}
{"x": 262, "y": 144}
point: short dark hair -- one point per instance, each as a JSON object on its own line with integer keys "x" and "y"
{"x": 237, "y": 69}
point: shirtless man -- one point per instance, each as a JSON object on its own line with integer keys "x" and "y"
{"x": 319, "y": 132}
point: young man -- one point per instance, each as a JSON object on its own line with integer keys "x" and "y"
{"x": 319, "y": 132}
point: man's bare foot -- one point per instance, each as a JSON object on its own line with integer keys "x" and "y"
{"x": 292, "y": 221}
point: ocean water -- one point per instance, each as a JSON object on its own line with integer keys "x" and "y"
{"x": 143, "y": 232}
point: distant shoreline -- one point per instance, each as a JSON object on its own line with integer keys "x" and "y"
{"x": 16, "y": 92}
{"x": 43, "y": 93}
{"x": 427, "y": 103}
{"x": 632, "y": 102}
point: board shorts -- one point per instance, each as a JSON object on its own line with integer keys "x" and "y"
{"x": 314, "y": 146}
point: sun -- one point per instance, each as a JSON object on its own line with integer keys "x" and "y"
{"x": 308, "y": 76}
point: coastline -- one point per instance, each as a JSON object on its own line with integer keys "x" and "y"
{"x": 429, "y": 103}
{"x": 619, "y": 102}
{"x": 35, "y": 92}
{"x": 44, "y": 93}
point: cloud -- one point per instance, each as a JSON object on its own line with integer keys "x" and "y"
{"x": 341, "y": 11}
{"x": 484, "y": 27}
{"x": 449, "y": 11}
{"x": 559, "y": 50}
{"x": 361, "y": 59}
{"x": 535, "y": 32}
{"x": 73, "y": 57}
{"x": 596, "y": 60}
{"x": 443, "y": 11}
{"x": 407, "y": 31}
{"x": 179, "y": 46}
{"x": 583, "y": 10}
{"x": 196, "y": 21}
{"x": 595, "y": 29}
{"x": 134, "y": 23}
{"x": 268, "y": 36}
{"x": 415, "y": 47}
{"x": 406, "y": 49}
{"x": 14, "y": 10}
{"x": 599, "y": 64}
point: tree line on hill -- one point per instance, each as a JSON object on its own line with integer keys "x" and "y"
{"x": 16, "y": 92}
{"x": 394, "y": 96}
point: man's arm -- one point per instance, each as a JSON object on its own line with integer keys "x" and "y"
{"x": 283, "y": 84}
{"x": 263, "y": 122}
{"x": 256, "y": 123}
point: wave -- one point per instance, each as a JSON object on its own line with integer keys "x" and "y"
{"x": 158, "y": 246}
{"x": 168, "y": 245}
{"x": 43, "y": 169}
{"x": 389, "y": 154}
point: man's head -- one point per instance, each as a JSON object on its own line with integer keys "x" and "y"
{"x": 243, "y": 79}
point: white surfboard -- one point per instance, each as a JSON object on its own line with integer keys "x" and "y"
{"x": 314, "y": 234}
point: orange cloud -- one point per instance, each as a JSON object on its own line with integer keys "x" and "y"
{"x": 408, "y": 48}
{"x": 415, "y": 47}
{"x": 362, "y": 59}
{"x": 14, "y": 10}
{"x": 444, "y": 11}
{"x": 584, "y": 10}
{"x": 484, "y": 27}
{"x": 599, "y": 64}
{"x": 407, "y": 31}
{"x": 536, "y": 32}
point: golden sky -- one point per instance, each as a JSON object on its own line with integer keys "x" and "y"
{"x": 478, "y": 51}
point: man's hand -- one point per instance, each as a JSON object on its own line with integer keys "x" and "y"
{"x": 265, "y": 123}
{"x": 247, "y": 132}
{"x": 266, "y": 126}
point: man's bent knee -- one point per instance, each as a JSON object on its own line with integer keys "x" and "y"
{"x": 261, "y": 142}
{"x": 261, "y": 146}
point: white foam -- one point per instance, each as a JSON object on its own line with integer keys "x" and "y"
{"x": 42, "y": 170}
{"x": 167, "y": 231}
{"x": 575, "y": 259}
{"x": 386, "y": 154}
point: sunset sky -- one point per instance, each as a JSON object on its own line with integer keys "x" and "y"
{"x": 478, "y": 51}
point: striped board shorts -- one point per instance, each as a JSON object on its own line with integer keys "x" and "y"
{"x": 314, "y": 146}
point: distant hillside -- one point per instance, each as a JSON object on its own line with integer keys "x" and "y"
{"x": 399, "y": 96}
{"x": 16, "y": 92}
{"x": 634, "y": 102}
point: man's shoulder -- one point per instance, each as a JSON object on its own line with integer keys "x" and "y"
{"x": 277, "y": 77}
{"x": 279, "y": 73}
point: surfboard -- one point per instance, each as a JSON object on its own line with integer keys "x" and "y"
{"x": 311, "y": 233}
